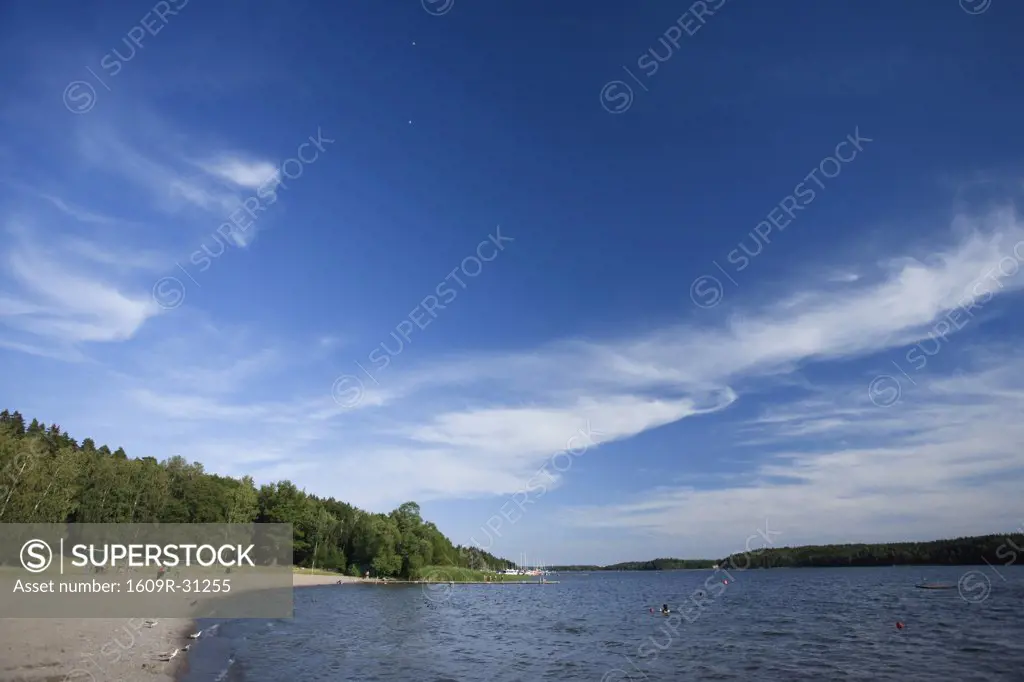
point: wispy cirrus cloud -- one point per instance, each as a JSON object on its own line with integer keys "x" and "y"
{"x": 835, "y": 465}
{"x": 486, "y": 421}
{"x": 215, "y": 184}
{"x": 51, "y": 296}
{"x": 79, "y": 214}
{"x": 80, "y": 265}
{"x": 248, "y": 174}
{"x": 481, "y": 423}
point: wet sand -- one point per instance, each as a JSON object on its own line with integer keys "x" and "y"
{"x": 103, "y": 649}
{"x": 89, "y": 649}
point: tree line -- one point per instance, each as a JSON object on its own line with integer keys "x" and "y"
{"x": 46, "y": 476}
{"x": 962, "y": 551}
{"x": 653, "y": 565}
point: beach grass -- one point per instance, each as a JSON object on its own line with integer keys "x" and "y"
{"x": 458, "y": 574}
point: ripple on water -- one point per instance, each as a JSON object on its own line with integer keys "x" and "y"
{"x": 832, "y": 624}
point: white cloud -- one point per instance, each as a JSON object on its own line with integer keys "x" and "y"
{"x": 483, "y": 424}
{"x": 168, "y": 184}
{"x": 216, "y": 185}
{"x": 51, "y": 297}
{"x": 78, "y": 213}
{"x": 918, "y": 462}
{"x": 525, "y": 433}
{"x": 114, "y": 256}
{"x": 90, "y": 279}
{"x": 248, "y": 174}
{"x": 898, "y": 306}
{"x": 537, "y": 400}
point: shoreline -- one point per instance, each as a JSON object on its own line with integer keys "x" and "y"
{"x": 106, "y": 649}
{"x": 315, "y": 579}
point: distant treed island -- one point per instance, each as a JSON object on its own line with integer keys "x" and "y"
{"x": 966, "y": 551}
{"x": 48, "y": 477}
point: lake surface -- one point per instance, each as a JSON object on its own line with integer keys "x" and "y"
{"x": 781, "y": 624}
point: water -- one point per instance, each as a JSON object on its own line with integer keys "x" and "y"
{"x": 783, "y": 624}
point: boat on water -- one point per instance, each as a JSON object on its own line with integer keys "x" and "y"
{"x": 935, "y": 586}
{"x": 524, "y": 569}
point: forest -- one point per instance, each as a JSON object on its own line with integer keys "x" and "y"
{"x": 48, "y": 477}
{"x": 963, "y": 551}
{"x": 653, "y": 565}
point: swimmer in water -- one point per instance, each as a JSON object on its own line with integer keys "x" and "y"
{"x": 664, "y": 610}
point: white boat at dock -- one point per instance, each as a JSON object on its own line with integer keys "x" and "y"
{"x": 523, "y": 569}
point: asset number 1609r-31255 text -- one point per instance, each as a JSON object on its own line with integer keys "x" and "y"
{"x": 171, "y": 585}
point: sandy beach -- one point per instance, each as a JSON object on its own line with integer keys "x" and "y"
{"x": 103, "y": 649}
{"x": 309, "y": 580}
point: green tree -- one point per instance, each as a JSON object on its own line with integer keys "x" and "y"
{"x": 46, "y": 476}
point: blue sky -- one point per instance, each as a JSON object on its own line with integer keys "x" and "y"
{"x": 704, "y": 275}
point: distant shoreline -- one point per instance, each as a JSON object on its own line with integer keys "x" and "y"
{"x": 763, "y": 568}
{"x": 964, "y": 551}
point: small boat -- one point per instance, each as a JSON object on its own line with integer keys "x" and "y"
{"x": 935, "y": 586}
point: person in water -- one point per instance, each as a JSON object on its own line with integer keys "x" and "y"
{"x": 664, "y": 610}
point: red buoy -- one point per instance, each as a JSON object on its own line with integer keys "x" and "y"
{"x": 899, "y": 625}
